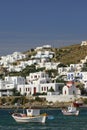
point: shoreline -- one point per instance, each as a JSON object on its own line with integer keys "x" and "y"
{"x": 39, "y": 107}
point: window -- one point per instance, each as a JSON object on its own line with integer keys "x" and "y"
{"x": 29, "y": 110}
{"x": 42, "y": 88}
{"x": 31, "y": 77}
{"x": 20, "y": 89}
{"x": 35, "y": 76}
{"x": 73, "y": 92}
{"x": 65, "y": 91}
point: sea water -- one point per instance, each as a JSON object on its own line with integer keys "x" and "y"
{"x": 55, "y": 121}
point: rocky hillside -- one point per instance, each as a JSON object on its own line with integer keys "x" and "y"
{"x": 73, "y": 54}
{"x": 67, "y": 55}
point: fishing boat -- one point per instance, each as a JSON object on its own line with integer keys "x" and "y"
{"x": 32, "y": 115}
{"x": 71, "y": 110}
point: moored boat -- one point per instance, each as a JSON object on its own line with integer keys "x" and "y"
{"x": 71, "y": 110}
{"x": 32, "y": 115}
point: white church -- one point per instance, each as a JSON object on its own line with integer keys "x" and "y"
{"x": 71, "y": 89}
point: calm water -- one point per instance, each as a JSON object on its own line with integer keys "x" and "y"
{"x": 55, "y": 121}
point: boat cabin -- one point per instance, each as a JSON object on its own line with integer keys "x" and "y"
{"x": 71, "y": 109}
{"x": 33, "y": 112}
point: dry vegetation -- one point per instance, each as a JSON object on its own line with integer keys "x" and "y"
{"x": 71, "y": 54}
{"x": 67, "y": 55}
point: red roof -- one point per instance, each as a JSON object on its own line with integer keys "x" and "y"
{"x": 70, "y": 82}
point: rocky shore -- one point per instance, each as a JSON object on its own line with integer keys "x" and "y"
{"x": 36, "y": 105}
{"x": 27, "y": 102}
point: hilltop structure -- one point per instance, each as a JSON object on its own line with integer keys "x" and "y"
{"x": 84, "y": 43}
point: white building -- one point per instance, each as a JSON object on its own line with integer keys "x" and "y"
{"x": 48, "y": 65}
{"x": 76, "y": 67}
{"x": 43, "y": 54}
{"x": 39, "y": 82}
{"x": 13, "y": 57}
{"x": 42, "y": 47}
{"x": 6, "y": 88}
{"x": 84, "y": 43}
{"x": 71, "y": 89}
{"x": 38, "y": 77}
{"x": 63, "y": 70}
{"x": 7, "y": 85}
{"x": 30, "y": 89}
{"x": 15, "y": 80}
{"x": 80, "y": 76}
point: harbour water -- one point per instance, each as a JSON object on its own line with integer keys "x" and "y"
{"x": 55, "y": 121}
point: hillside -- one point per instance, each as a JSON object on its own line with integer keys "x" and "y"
{"x": 72, "y": 54}
{"x": 67, "y": 55}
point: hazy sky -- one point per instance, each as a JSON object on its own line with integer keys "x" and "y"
{"x": 26, "y": 24}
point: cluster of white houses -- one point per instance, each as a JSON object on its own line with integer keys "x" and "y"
{"x": 41, "y": 58}
{"x": 40, "y": 82}
{"x": 35, "y": 83}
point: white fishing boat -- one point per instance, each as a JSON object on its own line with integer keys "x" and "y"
{"x": 32, "y": 115}
{"x": 71, "y": 110}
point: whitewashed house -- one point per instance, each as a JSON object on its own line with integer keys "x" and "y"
{"x": 75, "y": 67}
{"x": 47, "y": 65}
{"x": 84, "y": 43}
{"x": 43, "y": 54}
{"x": 51, "y": 65}
{"x": 47, "y": 46}
{"x": 38, "y": 82}
{"x": 30, "y": 89}
{"x": 7, "y": 85}
{"x": 63, "y": 70}
{"x": 6, "y": 89}
{"x": 15, "y": 80}
{"x": 38, "y": 77}
{"x": 11, "y": 68}
{"x": 18, "y": 56}
{"x": 13, "y": 57}
{"x": 43, "y": 47}
{"x": 78, "y": 76}
{"x": 71, "y": 89}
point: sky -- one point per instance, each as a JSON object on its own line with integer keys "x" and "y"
{"x": 27, "y": 24}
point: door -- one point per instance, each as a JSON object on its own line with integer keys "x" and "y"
{"x": 34, "y": 90}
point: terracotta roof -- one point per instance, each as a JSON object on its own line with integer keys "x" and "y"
{"x": 70, "y": 82}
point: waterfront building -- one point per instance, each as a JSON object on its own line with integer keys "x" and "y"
{"x": 39, "y": 82}
{"x": 6, "y": 88}
{"x": 71, "y": 89}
